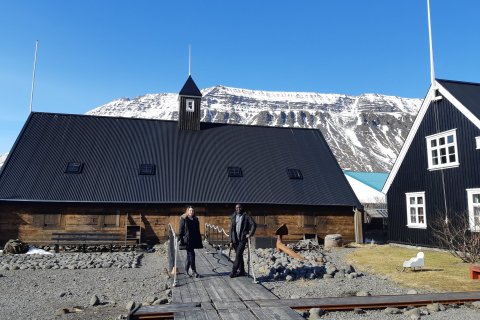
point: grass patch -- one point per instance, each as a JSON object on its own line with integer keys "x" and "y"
{"x": 442, "y": 271}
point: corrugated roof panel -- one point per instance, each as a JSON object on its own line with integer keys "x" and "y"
{"x": 191, "y": 166}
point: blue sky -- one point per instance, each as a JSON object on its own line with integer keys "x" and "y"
{"x": 92, "y": 52}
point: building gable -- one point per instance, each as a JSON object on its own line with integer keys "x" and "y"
{"x": 439, "y": 90}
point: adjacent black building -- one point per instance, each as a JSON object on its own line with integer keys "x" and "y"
{"x": 437, "y": 173}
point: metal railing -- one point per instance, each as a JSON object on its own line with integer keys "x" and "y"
{"x": 216, "y": 236}
{"x": 172, "y": 253}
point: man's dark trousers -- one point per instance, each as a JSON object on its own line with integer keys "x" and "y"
{"x": 238, "y": 264}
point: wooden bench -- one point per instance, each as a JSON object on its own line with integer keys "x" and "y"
{"x": 88, "y": 238}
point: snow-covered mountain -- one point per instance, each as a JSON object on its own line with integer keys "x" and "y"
{"x": 364, "y": 132}
{"x": 3, "y": 157}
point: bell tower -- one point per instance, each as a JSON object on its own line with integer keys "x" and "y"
{"x": 189, "y": 106}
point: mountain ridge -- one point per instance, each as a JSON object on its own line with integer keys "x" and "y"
{"x": 365, "y": 132}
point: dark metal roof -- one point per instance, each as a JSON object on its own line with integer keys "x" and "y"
{"x": 190, "y": 88}
{"x": 467, "y": 93}
{"x": 190, "y": 166}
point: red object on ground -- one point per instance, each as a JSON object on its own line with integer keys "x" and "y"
{"x": 475, "y": 271}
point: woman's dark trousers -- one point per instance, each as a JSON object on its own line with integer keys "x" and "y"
{"x": 190, "y": 260}
{"x": 238, "y": 264}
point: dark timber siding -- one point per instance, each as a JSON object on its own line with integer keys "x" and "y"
{"x": 414, "y": 176}
{"x": 28, "y": 221}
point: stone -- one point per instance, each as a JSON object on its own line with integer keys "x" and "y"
{"x": 363, "y": 294}
{"x": 358, "y": 311}
{"x": 316, "y": 313}
{"x": 94, "y": 301}
{"x": 434, "y": 307}
{"x": 61, "y": 312}
{"x": 295, "y": 296}
{"x": 475, "y": 304}
{"x": 150, "y": 299}
{"x": 340, "y": 274}
{"x": 289, "y": 278}
{"x": 130, "y": 305}
{"x": 352, "y": 275}
{"x": 412, "y": 291}
{"x": 414, "y": 311}
{"x": 392, "y": 311}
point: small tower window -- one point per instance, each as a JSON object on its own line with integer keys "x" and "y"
{"x": 294, "y": 174}
{"x": 235, "y": 172}
{"x": 147, "y": 169}
{"x": 190, "y": 106}
{"x": 74, "y": 167}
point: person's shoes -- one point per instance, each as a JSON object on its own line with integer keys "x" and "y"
{"x": 241, "y": 274}
{"x": 233, "y": 274}
{"x": 195, "y": 274}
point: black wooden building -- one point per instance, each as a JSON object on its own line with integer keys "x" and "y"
{"x": 437, "y": 174}
{"x": 109, "y": 174}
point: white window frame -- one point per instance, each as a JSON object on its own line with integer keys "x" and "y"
{"x": 187, "y": 107}
{"x": 471, "y": 209}
{"x": 477, "y": 140}
{"x": 438, "y": 148}
{"x": 416, "y": 206}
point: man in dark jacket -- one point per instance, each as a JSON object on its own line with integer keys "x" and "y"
{"x": 242, "y": 227}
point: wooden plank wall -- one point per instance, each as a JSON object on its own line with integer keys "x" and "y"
{"x": 36, "y": 222}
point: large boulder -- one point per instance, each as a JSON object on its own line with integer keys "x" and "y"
{"x": 15, "y": 247}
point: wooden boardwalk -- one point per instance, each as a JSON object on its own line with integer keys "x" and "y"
{"x": 215, "y": 296}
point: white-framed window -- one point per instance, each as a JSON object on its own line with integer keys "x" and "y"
{"x": 416, "y": 214}
{"x": 442, "y": 150}
{"x": 473, "y": 196}
{"x": 477, "y": 140}
{"x": 190, "y": 105}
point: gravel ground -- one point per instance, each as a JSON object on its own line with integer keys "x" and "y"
{"x": 374, "y": 285}
{"x": 49, "y": 293}
{"x": 63, "y": 286}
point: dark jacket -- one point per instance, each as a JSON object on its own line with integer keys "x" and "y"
{"x": 248, "y": 227}
{"x": 189, "y": 233}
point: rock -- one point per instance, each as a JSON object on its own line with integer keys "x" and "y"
{"x": 294, "y": 297}
{"x": 412, "y": 291}
{"x": 352, "y": 275}
{"x": 316, "y": 313}
{"x": 413, "y": 312}
{"x": 94, "y": 301}
{"x": 363, "y": 294}
{"x": 289, "y": 278}
{"x": 62, "y": 294}
{"x": 150, "y": 299}
{"x": 130, "y": 305}
{"x": 435, "y": 307}
{"x": 163, "y": 300}
{"x": 340, "y": 274}
{"x": 392, "y": 311}
{"x": 358, "y": 311}
{"x": 475, "y": 304}
{"x": 61, "y": 312}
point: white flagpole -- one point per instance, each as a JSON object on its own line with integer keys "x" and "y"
{"x": 33, "y": 76}
{"x": 432, "y": 70}
{"x": 189, "y": 60}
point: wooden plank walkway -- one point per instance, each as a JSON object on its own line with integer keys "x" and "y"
{"x": 215, "y": 296}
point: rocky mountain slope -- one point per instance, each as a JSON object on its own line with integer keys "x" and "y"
{"x": 3, "y": 157}
{"x": 364, "y": 132}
